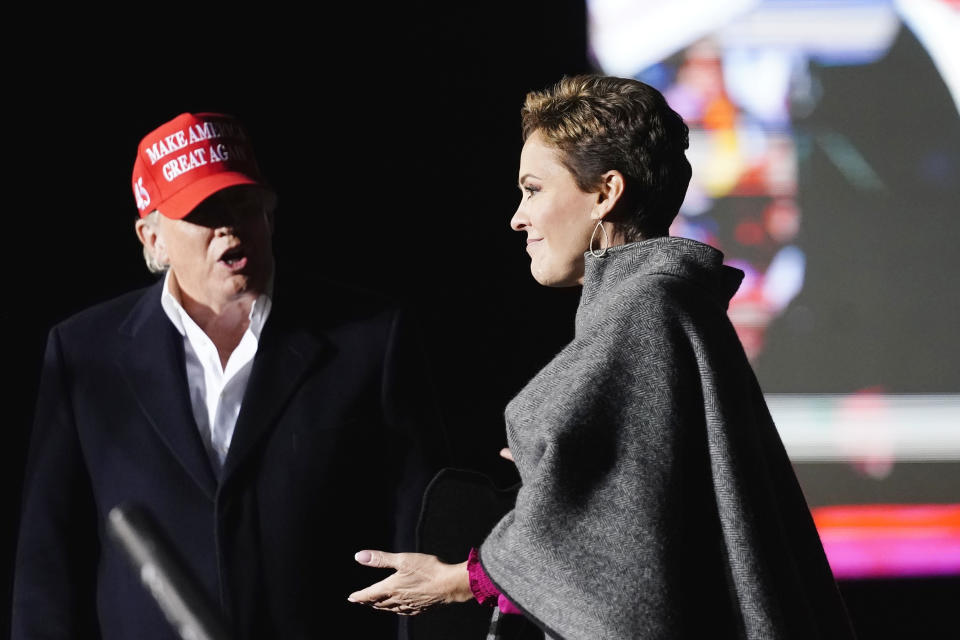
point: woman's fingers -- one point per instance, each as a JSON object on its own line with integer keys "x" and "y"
{"x": 391, "y": 595}
{"x": 374, "y": 594}
{"x": 506, "y": 453}
{"x": 399, "y": 608}
{"x": 379, "y": 558}
{"x": 380, "y": 591}
{"x": 420, "y": 582}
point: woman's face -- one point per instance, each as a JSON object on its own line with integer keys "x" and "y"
{"x": 555, "y": 213}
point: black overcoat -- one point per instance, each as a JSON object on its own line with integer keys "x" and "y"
{"x": 335, "y": 440}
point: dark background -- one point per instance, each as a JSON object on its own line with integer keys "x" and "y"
{"x": 392, "y": 137}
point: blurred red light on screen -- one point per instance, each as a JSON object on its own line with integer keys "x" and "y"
{"x": 868, "y": 541}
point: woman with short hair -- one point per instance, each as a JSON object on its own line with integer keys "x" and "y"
{"x": 657, "y": 500}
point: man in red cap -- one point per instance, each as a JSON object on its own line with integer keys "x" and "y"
{"x": 268, "y": 441}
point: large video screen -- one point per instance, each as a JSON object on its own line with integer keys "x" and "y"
{"x": 825, "y": 145}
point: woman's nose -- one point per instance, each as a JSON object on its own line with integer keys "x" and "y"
{"x": 519, "y": 221}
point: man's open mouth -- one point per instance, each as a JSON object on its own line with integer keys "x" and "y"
{"x": 234, "y": 258}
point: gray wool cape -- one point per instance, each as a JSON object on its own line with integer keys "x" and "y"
{"x": 657, "y": 500}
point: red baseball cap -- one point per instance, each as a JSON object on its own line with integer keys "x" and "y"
{"x": 183, "y": 162}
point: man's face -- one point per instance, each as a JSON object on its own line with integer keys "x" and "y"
{"x": 221, "y": 250}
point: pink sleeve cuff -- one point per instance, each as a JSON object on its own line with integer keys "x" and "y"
{"x": 483, "y": 588}
{"x": 506, "y": 606}
{"x": 480, "y": 584}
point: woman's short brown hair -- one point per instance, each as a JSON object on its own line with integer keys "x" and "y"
{"x": 600, "y": 123}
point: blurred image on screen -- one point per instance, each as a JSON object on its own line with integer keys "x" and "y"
{"x": 825, "y": 145}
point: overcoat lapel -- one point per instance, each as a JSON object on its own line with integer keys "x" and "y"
{"x": 153, "y": 367}
{"x": 285, "y": 355}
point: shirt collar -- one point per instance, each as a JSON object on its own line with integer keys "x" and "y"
{"x": 259, "y": 311}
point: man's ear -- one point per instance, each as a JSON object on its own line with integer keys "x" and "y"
{"x": 611, "y": 190}
{"x": 148, "y": 232}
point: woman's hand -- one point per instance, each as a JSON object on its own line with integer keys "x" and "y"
{"x": 506, "y": 453}
{"x": 421, "y": 582}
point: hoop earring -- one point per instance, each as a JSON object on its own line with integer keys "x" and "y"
{"x": 603, "y": 245}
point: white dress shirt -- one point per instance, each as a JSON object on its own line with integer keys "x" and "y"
{"x": 216, "y": 392}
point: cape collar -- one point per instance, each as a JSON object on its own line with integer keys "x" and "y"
{"x": 679, "y": 257}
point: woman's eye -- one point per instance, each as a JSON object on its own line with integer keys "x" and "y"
{"x": 531, "y": 190}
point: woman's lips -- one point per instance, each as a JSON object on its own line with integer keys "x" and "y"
{"x": 530, "y": 241}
